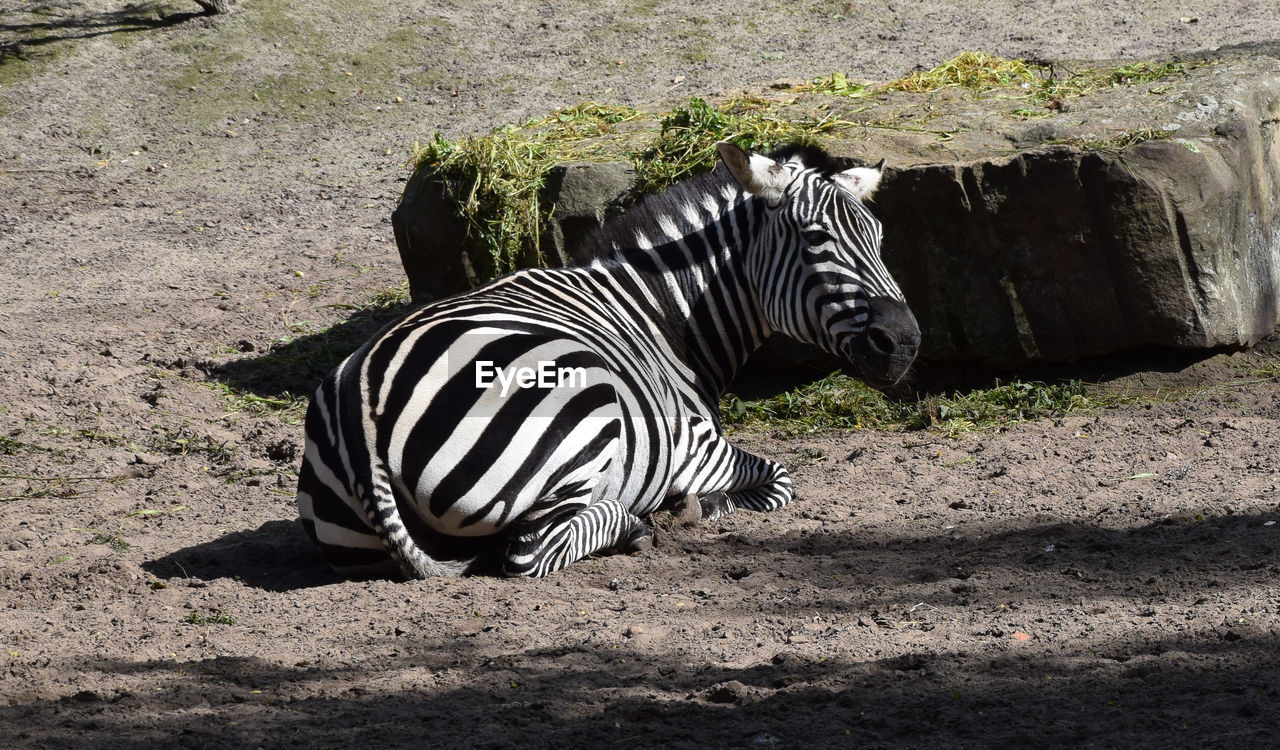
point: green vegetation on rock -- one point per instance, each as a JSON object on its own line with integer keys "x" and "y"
{"x": 976, "y": 71}
{"x": 1041, "y": 84}
{"x": 686, "y": 142}
{"x": 497, "y": 180}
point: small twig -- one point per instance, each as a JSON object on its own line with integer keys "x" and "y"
{"x": 64, "y": 494}
{"x": 947, "y": 134}
{"x": 58, "y": 479}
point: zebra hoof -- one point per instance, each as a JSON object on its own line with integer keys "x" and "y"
{"x": 714, "y": 505}
{"x": 639, "y": 539}
{"x": 641, "y": 545}
{"x": 689, "y": 511}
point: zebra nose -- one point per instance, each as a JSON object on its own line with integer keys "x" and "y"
{"x": 889, "y": 344}
{"x": 881, "y": 341}
{"x": 893, "y": 332}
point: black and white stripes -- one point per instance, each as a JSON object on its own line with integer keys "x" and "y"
{"x": 534, "y": 421}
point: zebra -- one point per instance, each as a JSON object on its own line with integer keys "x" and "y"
{"x": 451, "y": 443}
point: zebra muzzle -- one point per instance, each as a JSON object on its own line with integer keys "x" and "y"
{"x": 888, "y": 345}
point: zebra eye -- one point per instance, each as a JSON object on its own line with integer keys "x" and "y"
{"x": 816, "y": 237}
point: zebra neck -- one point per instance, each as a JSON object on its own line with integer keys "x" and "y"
{"x": 696, "y": 278}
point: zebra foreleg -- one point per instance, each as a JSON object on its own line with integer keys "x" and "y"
{"x": 598, "y": 527}
{"x": 742, "y": 480}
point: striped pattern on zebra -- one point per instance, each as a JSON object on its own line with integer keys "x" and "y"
{"x": 534, "y": 421}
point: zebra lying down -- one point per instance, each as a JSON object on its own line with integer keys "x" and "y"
{"x": 531, "y": 422}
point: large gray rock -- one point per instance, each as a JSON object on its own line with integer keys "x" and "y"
{"x": 1047, "y": 238}
{"x": 439, "y": 256}
{"x": 432, "y": 239}
{"x": 1059, "y": 253}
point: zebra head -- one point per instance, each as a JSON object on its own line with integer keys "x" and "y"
{"x": 815, "y": 263}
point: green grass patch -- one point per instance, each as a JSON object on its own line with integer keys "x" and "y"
{"x": 1260, "y": 364}
{"x": 185, "y": 441}
{"x": 39, "y": 487}
{"x": 287, "y": 407}
{"x": 10, "y": 445}
{"x": 115, "y": 541}
{"x": 843, "y": 403}
{"x": 1268, "y": 369}
{"x": 215, "y": 617}
{"x": 63, "y": 490}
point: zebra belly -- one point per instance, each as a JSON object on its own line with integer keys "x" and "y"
{"x": 511, "y": 473}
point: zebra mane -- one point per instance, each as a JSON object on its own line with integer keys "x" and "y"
{"x": 646, "y": 215}
{"x": 811, "y": 156}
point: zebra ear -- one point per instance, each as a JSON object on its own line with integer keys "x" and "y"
{"x": 862, "y": 181}
{"x": 758, "y": 175}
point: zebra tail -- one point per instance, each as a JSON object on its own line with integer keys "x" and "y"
{"x": 379, "y": 502}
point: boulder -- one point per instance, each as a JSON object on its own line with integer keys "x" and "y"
{"x": 431, "y": 237}
{"x": 1062, "y": 252}
{"x": 1140, "y": 215}
{"x": 439, "y": 257}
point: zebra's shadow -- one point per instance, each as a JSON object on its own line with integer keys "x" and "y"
{"x": 276, "y": 556}
{"x": 294, "y": 367}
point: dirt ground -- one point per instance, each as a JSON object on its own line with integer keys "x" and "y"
{"x": 186, "y": 204}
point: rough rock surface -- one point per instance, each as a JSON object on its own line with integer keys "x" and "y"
{"x": 585, "y": 195}
{"x": 1143, "y": 215}
{"x": 1060, "y": 252}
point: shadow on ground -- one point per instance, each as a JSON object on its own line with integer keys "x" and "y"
{"x": 1170, "y": 558}
{"x": 440, "y": 693}
{"x": 1005, "y": 563}
{"x": 274, "y": 557}
{"x": 1144, "y": 550}
{"x": 18, "y": 39}
{"x": 297, "y": 366}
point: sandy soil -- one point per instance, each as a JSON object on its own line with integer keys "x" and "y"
{"x": 187, "y": 206}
